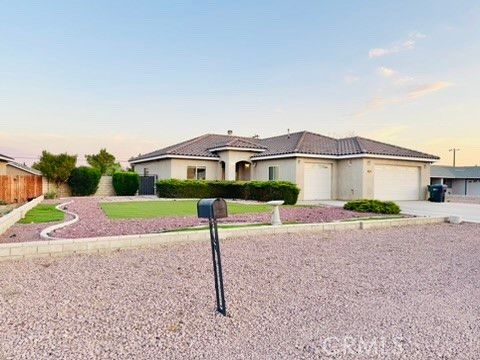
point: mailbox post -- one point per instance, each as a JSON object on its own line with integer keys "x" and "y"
{"x": 213, "y": 209}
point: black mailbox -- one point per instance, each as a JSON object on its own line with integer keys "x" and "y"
{"x": 212, "y": 208}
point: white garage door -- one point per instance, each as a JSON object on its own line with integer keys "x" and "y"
{"x": 317, "y": 182}
{"x": 396, "y": 182}
{"x": 473, "y": 187}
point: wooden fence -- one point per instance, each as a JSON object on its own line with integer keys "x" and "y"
{"x": 20, "y": 189}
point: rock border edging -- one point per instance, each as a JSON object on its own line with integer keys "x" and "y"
{"x": 44, "y": 234}
{"x": 65, "y": 247}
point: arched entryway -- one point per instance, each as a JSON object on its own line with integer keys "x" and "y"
{"x": 222, "y": 170}
{"x": 243, "y": 171}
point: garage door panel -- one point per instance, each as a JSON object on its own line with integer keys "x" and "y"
{"x": 317, "y": 181}
{"x": 396, "y": 182}
{"x": 473, "y": 188}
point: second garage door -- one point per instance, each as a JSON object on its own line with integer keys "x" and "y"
{"x": 317, "y": 182}
{"x": 396, "y": 182}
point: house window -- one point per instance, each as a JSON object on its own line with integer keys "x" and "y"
{"x": 196, "y": 173}
{"x": 145, "y": 172}
{"x": 273, "y": 173}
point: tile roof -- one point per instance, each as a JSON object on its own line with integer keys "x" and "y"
{"x": 239, "y": 143}
{"x": 200, "y": 146}
{"x": 303, "y": 142}
{"x": 459, "y": 172}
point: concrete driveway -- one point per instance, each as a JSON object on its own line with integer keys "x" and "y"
{"x": 468, "y": 212}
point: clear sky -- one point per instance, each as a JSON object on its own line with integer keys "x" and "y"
{"x": 134, "y": 76}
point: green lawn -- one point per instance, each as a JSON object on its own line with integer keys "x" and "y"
{"x": 42, "y": 213}
{"x": 153, "y": 209}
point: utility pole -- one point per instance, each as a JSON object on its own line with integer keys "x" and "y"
{"x": 454, "y": 154}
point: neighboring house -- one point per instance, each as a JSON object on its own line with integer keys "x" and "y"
{"x": 9, "y": 167}
{"x": 460, "y": 180}
{"x": 18, "y": 183}
{"x": 323, "y": 167}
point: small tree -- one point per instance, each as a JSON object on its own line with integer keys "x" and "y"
{"x": 104, "y": 162}
{"x": 57, "y": 168}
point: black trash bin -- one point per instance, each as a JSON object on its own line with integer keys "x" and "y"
{"x": 437, "y": 192}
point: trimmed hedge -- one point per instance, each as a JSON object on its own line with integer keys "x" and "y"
{"x": 84, "y": 181}
{"x": 248, "y": 190}
{"x": 125, "y": 183}
{"x": 373, "y": 206}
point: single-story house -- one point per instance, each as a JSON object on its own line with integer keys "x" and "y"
{"x": 18, "y": 183}
{"x": 322, "y": 167}
{"x": 8, "y": 166}
{"x": 460, "y": 180}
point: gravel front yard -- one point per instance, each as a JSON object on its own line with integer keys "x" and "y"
{"x": 94, "y": 222}
{"x": 407, "y": 292}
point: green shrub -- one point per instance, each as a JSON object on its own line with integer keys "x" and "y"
{"x": 50, "y": 195}
{"x": 248, "y": 190}
{"x": 84, "y": 181}
{"x": 125, "y": 183}
{"x": 373, "y": 206}
{"x": 272, "y": 190}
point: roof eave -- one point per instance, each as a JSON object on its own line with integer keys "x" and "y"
{"x": 344, "y": 157}
{"x": 236, "y": 148}
{"x": 172, "y": 156}
{"x": 31, "y": 171}
{"x": 6, "y": 158}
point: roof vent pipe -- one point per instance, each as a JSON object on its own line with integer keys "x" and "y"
{"x": 230, "y": 132}
{"x": 288, "y": 133}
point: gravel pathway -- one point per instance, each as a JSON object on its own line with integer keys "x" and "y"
{"x": 93, "y": 221}
{"x": 407, "y": 292}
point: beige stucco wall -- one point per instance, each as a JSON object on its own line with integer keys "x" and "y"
{"x": 3, "y": 168}
{"x": 13, "y": 171}
{"x": 161, "y": 168}
{"x": 369, "y": 173}
{"x": 231, "y": 157}
{"x": 179, "y": 168}
{"x": 287, "y": 169}
{"x": 350, "y": 180}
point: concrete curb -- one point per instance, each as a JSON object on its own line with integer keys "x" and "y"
{"x": 64, "y": 247}
{"x": 45, "y": 232}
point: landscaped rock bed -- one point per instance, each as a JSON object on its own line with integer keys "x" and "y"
{"x": 397, "y": 293}
{"x": 93, "y": 221}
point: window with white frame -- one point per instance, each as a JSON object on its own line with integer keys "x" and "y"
{"x": 273, "y": 173}
{"x": 196, "y": 172}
